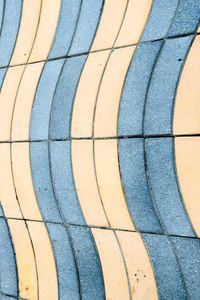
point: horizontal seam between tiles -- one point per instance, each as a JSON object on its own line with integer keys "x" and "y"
{"x": 120, "y": 137}
{"x": 101, "y": 50}
{"x": 99, "y": 227}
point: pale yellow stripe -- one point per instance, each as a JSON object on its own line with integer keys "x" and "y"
{"x": 85, "y": 182}
{"x": 187, "y": 152}
{"x": 27, "y": 31}
{"x": 7, "y": 100}
{"x": 187, "y": 105}
{"x": 26, "y": 267}
{"x": 115, "y": 279}
{"x": 134, "y": 22}
{"x": 47, "y": 275}
{"x": 106, "y": 117}
{"x": 108, "y": 177}
{"x": 7, "y": 191}
{"x": 46, "y": 30}
{"x": 23, "y": 181}
{"x": 24, "y": 101}
{"x": 142, "y": 281}
{"x": 109, "y": 25}
{"x": 84, "y": 103}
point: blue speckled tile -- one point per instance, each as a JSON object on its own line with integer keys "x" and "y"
{"x": 8, "y": 272}
{"x": 2, "y": 3}
{"x": 187, "y": 18}
{"x": 163, "y": 183}
{"x": 90, "y": 273}
{"x": 131, "y": 159}
{"x": 86, "y": 27}
{"x": 161, "y": 10}
{"x": 39, "y": 127}
{"x": 167, "y": 272}
{"x": 65, "y": 263}
{"x": 162, "y": 89}
{"x": 188, "y": 252}
{"x": 1, "y": 212}
{"x": 6, "y": 297}
{"x": 2, "y": 75}
{"x": 64, "y": 97}
{"x": 135, "y": 88}
{"x": 9, "y": 30}
{"x": 61, "y": 170}
{"x": 69, "y": 13}
{"x": 39, "y": 154}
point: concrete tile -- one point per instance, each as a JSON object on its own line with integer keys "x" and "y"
{"x": 161, "y": 10}
{"x": 69, "y": 15}
{"x": 65, "y": 263}
{"x": 186, "y": 19}
{"x": 160, "y": 98}
{"x": 187, "y": 104}
{"x": 89, "y": 267}
{"x": 188, "y": 252}
{"x": 188, "y": 173}
{"x": 164, "y": 187}
{"x": 86, "y": 27}
{"x": 140, "y": 270}
{"x": 114, "y": 271}
{"x": 39, "y": 160}
{"x": 40, "y": 115}
{"x": 86, "y": 182}
{"x": 135, "y": 185}
{"x": 64, "y": 97}
{"x": 8, "y": 271}
{"x": 167, "y": 271}
{"x": 9, "y": 31}
{"x": 131, "y": 109}
{"x": 63, "y": 182}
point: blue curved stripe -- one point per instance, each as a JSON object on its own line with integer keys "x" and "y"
{"x": 162, "y": 89}
{"x": 9, "y": 31}
{"x": 169, "y": 280}
{"x": 66, "y": 267}
{"x": 40, "y": 116}
{"x": 90, "y": 272}
{"x": 8, "y": 269}
{"x": 62, "y": 178}
{"x": 86, "y": 27}
{"x": 69, "y": 13}
{"x": 59, "y": 127}
{"x": 134, "y": 181}
{"x": 163, "y": 184}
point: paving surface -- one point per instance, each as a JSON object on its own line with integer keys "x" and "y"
{"x": 99, "y": 149}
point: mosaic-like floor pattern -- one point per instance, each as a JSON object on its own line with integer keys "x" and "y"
{"x": 99, "y": 149}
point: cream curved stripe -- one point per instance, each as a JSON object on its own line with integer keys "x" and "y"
{"x": 7, "y": 99}
{"x": 109, "y": 182}
{"x": 24, "y": 99}
{"x": 134, "y": 22}
{"x": 187, "y": 150}
{"x": 20, "y": 154}
{"x": 114, "y": 273}
{"x": 84, "y": 104}
{"x": 187, "y": 104}
{"x": 26, "y": 267}
{"x": 141, "y": 276}
{"x": 85, "y": 182}
{"x": 46, "y": 30}
{"x": 27, "y": 31}
{"x": 7, "y": 191}
{"x": 108, "y": 100}
{"x": 109, "y": 25}
{"x": 47, "y": 276}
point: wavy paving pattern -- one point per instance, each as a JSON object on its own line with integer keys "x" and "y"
{"x": 99, "y": 149}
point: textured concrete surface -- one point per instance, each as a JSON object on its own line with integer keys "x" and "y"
{"x": 99, "y": 149}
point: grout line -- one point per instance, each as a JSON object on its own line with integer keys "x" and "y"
{"x": 101, "y": 227}
{"x": 104, "y": 49}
